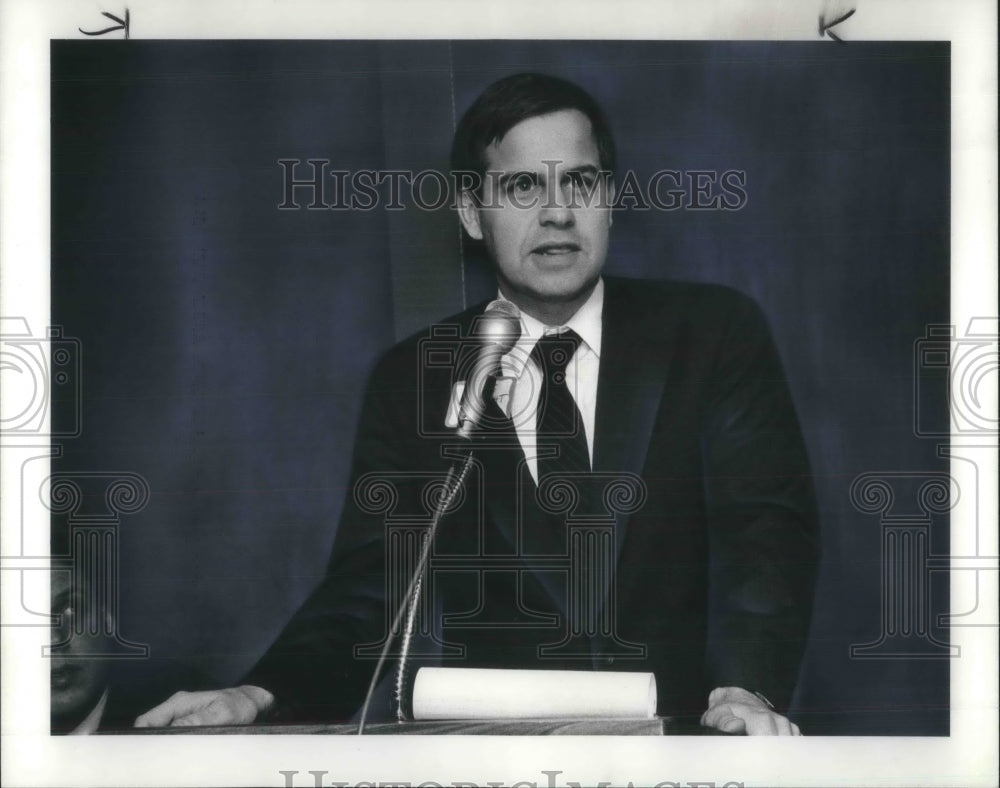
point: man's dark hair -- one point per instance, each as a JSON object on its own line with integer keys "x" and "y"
{"x": 513, "y": 99}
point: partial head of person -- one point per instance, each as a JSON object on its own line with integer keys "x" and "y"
{"x": 79, "y": 669}
{"x": 536, "y": 157}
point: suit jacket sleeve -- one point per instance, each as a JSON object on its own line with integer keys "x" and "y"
{"x": 763, "y": 524}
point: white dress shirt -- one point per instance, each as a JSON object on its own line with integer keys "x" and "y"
{"x": 517, "y": 390}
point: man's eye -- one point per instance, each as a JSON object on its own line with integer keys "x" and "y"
{"x": 524, "y": 183}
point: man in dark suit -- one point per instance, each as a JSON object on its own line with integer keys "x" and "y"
{"x": 670, "y": 392}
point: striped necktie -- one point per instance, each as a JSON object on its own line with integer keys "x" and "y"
{"x": 558, "y": 421}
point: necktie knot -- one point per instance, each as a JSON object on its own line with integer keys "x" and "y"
{"x": 553, "y": 352}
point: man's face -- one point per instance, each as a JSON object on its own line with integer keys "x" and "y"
{"x": 545, "y": 214}
{"x": 77, "y": 676}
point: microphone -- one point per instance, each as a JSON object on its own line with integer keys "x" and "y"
{"x": 497, "y": 330}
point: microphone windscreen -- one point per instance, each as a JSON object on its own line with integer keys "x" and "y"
{"x": 499, "y": 325}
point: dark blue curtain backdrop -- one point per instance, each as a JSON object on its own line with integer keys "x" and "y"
{"x": 226, "y": 342}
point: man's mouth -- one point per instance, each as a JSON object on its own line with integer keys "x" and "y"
{"x": 556, "y": 248}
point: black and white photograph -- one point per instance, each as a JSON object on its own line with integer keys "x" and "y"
{"x": 500, "y": 403}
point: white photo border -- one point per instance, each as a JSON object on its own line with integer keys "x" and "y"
{"x": 967, "y": 757}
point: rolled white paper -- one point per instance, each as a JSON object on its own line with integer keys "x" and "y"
{"x": 482, "y": 693}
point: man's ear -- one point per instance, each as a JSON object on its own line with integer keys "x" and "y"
{"x": 468, "y": 212}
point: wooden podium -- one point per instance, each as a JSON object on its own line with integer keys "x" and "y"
{"x": 656, "y": 726}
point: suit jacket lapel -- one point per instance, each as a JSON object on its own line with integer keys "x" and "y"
{"x": 635, "y": 349}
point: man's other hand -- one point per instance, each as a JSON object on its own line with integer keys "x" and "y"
{"x": 735, "y": 710}
{"x": 234, "y": 706}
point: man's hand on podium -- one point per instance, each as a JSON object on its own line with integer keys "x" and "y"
{"x": 735, "y": 710}
{"x": 233, "y": 706}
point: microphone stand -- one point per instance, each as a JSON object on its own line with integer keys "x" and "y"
{"x": 453, "y": 483}
{"x": 498, "y": 329}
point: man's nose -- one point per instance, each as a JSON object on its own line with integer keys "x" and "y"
{"x": 557, "y": 207}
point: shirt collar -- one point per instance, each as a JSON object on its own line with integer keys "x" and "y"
{"x": 586, "y": 322}
{"x": 92, "y": 721}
